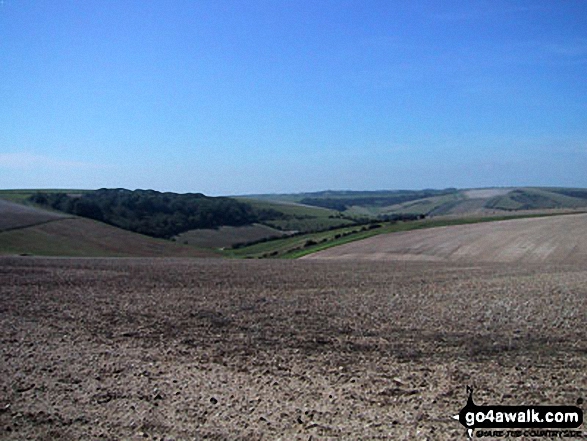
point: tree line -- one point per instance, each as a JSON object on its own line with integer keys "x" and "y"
{"x": 154, "y": 213}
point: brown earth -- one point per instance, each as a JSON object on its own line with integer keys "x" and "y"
{"x": 556, "y": 239}
{"x": 189, "y": 349}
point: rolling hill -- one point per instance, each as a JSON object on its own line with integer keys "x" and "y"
{"x": 30, "y": 230}
{"x": 450, "y": 201}
{"x": 307, "y": 222}
{"x": 13, "y": 216}
{"x": 555, "y": 239}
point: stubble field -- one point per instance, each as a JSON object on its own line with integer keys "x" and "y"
{"x": 180, "y": 349}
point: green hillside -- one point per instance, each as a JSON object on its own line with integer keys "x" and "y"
{"x": 226, "y": 237}
{"x": 298, "y": 217}
{"x": 302, "y": 244}
{"x": 151, "y": 212}
{"x": 539, "y": 198}
{"x": 256, "y": 226}
{"x": 382, "y": 204}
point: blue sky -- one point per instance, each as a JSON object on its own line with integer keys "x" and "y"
{"x": 260, "y": 96}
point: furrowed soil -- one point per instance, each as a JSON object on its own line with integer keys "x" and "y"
{"x": 561, "y": 239}
{"x": 183, "y": 349}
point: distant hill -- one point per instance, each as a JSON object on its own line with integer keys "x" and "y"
{"x": 294, "y": 216}
{"x": 219, "y": 222}
{"x": 450, "y": 201}
{"x": 168, "y": 214}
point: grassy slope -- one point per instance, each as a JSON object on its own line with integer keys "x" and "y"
{"x": 521, "y": 198}
{"x": 88, "y": 238}
{"x": 535, "y": 198}
{"x": 14, "y": 215}
{"x": 424, "y": 206}
{"x": 43, "y": 242}
{"x": 458, "y": 203}
{"x": 227, "y": 236}
{"x": 280, "y": 247}
{"x": 301, "y": 217}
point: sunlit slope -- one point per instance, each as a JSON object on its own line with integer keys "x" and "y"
{"x": 556, "y": 239}
{"x": 87, "y": 238}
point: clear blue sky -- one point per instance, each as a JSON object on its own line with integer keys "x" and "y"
{"x": 259, "y": 96}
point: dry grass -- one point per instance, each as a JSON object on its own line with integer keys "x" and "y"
{"x": 194, "y": 349}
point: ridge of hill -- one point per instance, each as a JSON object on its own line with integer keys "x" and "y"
{"x": 450, "y": 201}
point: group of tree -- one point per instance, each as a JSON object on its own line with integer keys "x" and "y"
{"x": 154, "y": 213}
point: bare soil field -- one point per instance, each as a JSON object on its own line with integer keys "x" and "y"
{"x": 556, "y": 239}
{"x": 189, "y": 349}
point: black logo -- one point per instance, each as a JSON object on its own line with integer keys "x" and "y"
{"x": 517, "y": 417}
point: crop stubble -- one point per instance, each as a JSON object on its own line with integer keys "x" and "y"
{"x": 195, "y": 349}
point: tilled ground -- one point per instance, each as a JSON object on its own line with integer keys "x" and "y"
{"x": 561, "y": 239}
{"x": 213, "y": 349}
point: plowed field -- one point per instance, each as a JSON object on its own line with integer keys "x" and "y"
{"x": 556, "y": 239}
{"x": 183, "y": 349}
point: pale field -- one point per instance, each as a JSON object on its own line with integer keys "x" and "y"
{"x": 556, "y": 239}
{"x": 190, "y": 349}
